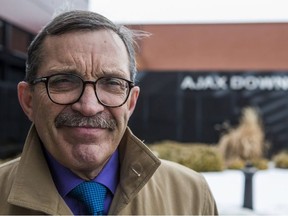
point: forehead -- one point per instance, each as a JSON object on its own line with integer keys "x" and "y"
{"x": 87, "y": 52}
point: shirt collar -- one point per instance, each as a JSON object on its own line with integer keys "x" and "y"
{"x": 65, "y": 180}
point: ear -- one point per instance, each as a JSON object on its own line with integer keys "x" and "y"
{"x": 25, "y": 98}
{"x": 133, "y": 99}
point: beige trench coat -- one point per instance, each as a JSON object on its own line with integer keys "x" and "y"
{"x": 147, "y": 185}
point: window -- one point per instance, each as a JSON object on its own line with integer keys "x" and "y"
{"x": 1, "y": 33}
{"x": 19, "y": 40}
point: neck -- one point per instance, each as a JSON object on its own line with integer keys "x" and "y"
{"x": 89, "y": 174}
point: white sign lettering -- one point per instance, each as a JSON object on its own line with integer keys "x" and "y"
{"x": 235, "y": 82}
{"x": 204, "y": 83}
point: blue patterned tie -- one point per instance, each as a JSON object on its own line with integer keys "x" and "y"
{"x": 92, "y": 194}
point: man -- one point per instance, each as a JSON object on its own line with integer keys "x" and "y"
{"x": 79, "y": 93}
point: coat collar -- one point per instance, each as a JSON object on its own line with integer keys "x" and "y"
{"x": 138, "y": 164}
{"x": 34, "y": 188}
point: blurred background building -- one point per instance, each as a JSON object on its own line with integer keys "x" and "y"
{"x": 195, "y": 78}
{"x": 19, "y": 23}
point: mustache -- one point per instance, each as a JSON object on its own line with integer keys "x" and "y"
{"x": 77, "y": 120}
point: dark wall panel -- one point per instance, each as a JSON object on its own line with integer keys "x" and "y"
{"x": 192, "y": 106}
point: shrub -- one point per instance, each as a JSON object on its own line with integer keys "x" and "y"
{"x": 260, "y": 163}
{"x": 202, "y": 158}
{"x": 246, "y": 141}
{"x": 168, "y": 150}
{"x": 199, "y": 157}
{"x": 236, "y": 164}
{"x": 281, "y": 160}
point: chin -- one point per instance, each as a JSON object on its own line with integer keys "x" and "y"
{"x": 90, "y": 154}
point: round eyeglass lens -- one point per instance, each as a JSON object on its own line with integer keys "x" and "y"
{"x": 65, "y": 89}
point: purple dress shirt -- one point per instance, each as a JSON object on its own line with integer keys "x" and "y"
{"x": 65, "y": 180}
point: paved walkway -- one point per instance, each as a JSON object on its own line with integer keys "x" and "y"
{"x": 270, "y": 192}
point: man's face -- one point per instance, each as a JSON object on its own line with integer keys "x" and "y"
{"x": 83, "y": 149}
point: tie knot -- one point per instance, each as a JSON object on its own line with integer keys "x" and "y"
{"x": 92, "y": 194}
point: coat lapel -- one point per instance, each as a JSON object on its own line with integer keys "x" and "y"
{"x": 138, "y": 164}
{"x": 33, "y": 187}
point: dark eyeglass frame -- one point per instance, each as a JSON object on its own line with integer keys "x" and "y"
{"x": 45, "y": 79}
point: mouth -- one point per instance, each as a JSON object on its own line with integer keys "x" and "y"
{"x": 87, "y": 127}
{"x": 78, "y": 136}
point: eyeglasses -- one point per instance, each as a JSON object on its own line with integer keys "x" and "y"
{"x": 66, "y": 89}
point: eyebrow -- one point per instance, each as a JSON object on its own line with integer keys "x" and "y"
{"x": 64, "y": 70}
{"x": 115, "y": 73}
{"x": 107, "y": 72}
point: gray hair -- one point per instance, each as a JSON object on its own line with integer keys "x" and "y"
{"x": 77, "y": 20}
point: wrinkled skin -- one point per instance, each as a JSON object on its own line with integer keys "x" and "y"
{"x": 83, "y": 149}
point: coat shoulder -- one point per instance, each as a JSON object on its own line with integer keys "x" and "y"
{"x": 7, "y": 175}
{"x": 9, "y": 167}
{"x": 188, "y": 185}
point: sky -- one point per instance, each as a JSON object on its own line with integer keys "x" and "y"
{"x": 192, "y": 11}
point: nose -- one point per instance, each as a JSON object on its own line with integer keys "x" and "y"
{"x": 88, "y": 104}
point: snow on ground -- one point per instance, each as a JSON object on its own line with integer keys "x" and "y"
{"x": 270, "y": 191}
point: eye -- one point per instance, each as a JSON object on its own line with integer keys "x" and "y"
{"x": 114, "y": 82}
{"x": 113, "y": 85}
{"x": 64, "y": 82}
